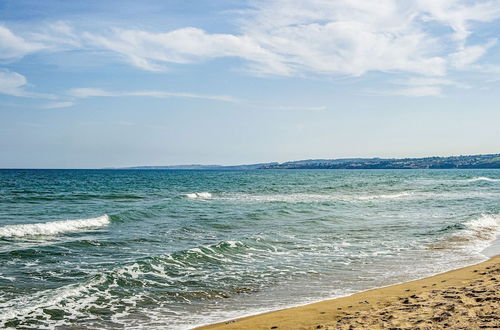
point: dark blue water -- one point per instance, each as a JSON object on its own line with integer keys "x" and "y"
{"x": 99, "y": 248}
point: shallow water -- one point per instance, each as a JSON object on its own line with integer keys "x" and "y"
{"x": 103, "y": 248}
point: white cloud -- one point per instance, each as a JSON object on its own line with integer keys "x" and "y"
{"x": 14, "y": 47}
{"x": 417, "y": 91}
{"x": 14, "y": 84}
{"x": 149, "y": 50}
{"x": 300, "y": 108}
{"x": 420, "y": 87}
{"x": 294, "y": 37}
{"x": 58, "y": 105}
{"x": 345, "y": 44}
{"x": 97, "y": 92}
{"x": 346, "y": 37}
{"x": 468, "y": 55}
{"x": 89, "y": 92}
{"x": 419, "y": 81}
{"x": 161, "y": 94}
{"x": 58, "y": 36}
{"x": 459, "y": 15}
{"x": 355, "y": 36}
{"x": 82, "y": 93}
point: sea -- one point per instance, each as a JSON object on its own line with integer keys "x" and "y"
{"x": 175, "y": 249}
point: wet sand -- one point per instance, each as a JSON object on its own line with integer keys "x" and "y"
{"x": 466, "y": 298}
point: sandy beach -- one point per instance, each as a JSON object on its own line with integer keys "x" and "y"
{"x": 465, "y": 298}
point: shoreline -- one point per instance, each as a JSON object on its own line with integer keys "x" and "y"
{"x": 467, "y": 297}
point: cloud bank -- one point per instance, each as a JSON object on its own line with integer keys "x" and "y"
{"x": 344, "y": 37}
{"x": 289, "y": 38}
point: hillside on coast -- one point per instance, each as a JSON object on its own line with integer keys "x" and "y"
{"x": 472, "y": 161}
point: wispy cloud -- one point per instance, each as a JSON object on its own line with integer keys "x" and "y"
{"x": 342, "y": 38}
{"x": 82, "y": 93}
{"x": 416, "y": 91}
{"x": 419, "y": 87}
{"x": 85, "y": 92}
{"x": 283, "y": 37}
{"x": 58, "y": 105}
{"x": 97, "y": 92}
{"x": 150, "y": 51}
{"x": 14, "y": 47}
{"x": 58, "y": 36}
{"x": 300, "y": 108}
{"x": 291, "y": 37}
{"x": 53, "y": 37}
{"x": 14, "y": 84}
{"x": 469, "y": 55}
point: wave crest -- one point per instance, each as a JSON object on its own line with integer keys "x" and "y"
{"x": 487, "y": 227}
{"x": 309, "y": 198}
{"x": 476, "y": 234}
{"x": 483, "y": 178}
{"x": 202, "y": 195}
{"x": 53, "y": 227}
{"x": 386, "y": 196}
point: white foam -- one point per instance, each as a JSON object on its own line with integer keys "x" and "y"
{"x": 9, "y": 278}
{"x": 308, "y": 198}
{"x": 233, "y": 244}
{"x": 67, "y": 297}
{"x": 480, "y": 232}
{"x": 385, "y": 196}
{"x": 483, "y": 178}
{"x": 486, "y": 224}
{"x": 53, "y": 227}
{"x": 199, "y": 195}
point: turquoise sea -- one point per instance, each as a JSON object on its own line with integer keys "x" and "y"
{"x": 174, "y": 249}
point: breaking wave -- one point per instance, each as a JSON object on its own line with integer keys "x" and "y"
{"x": 172, "y": 273}
{"x": 476, "y": 234}
{"x": 483, "y": 178}
{"x": 308, "y": 198}
{"x": 386, "y": 196}
{"x": 53, "y": 227}
{"x": 487, "y": 227}
{"x": 199, "y": 195}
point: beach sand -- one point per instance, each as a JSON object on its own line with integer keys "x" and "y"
{"x": 466, "y": 298}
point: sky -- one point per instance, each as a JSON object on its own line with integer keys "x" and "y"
{"x": 91, "y": 84}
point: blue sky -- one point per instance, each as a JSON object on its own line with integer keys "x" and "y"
{"x": 119, "y": 83}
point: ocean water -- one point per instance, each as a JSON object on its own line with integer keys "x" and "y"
{"x": 176, "y": 249}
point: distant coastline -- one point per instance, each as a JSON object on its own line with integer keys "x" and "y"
{"x": 488, "y": 161}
